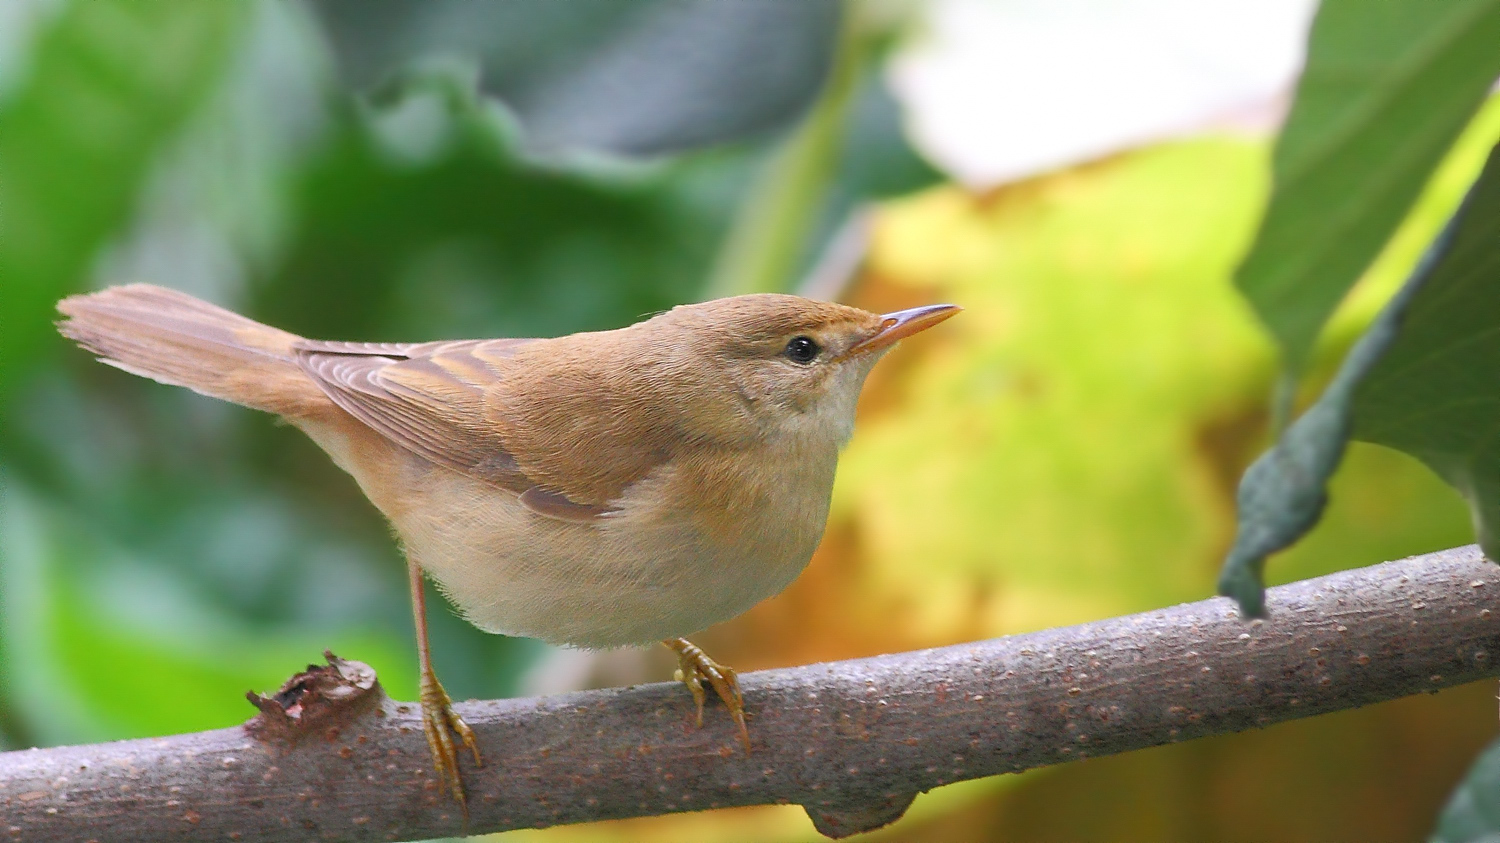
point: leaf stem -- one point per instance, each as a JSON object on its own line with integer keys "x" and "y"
{"x": 769, "y": 235}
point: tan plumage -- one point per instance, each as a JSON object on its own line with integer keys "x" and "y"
{"x": 599, "y": 489}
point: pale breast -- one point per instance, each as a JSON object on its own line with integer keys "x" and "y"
{"x": 652, "y": 571}
{"x": 647, "y": 573}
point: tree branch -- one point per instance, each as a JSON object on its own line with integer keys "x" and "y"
{"x": 331, "y": 757}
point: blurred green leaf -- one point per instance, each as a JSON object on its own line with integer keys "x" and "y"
{"x": 1386, "y": 90}
{"x": 131, "y": 683}
{"x": 476, "y": 242}
{"x": 655, "y": 77}
{"x": 1473, "y": 811}
{"x": 94, "y": 650}
{"x": 851, "y": 149}
{"x": 877, "y": 161}
{"x": 639, "y": 78}
{"x": 771, "y": 232}
{"x": 1420, "y": 380}
{"x": 111, "y": 82}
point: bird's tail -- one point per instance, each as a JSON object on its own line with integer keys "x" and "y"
{"x": 176, "y": 339}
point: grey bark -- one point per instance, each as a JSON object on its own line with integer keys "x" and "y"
{"x": 331, "y": 758}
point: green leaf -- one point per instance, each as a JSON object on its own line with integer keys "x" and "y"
{"x": 1283, "y": 493}
{"x": 1398, "y": 373}
{"x": 111, "y": 82}
{"x": 641, "y": 78}
{"x": 1387, "y": 89}
{"x": 1473, "y": 811}
{"x": 1436, "y": 393}
{"x": 478, "y": 242}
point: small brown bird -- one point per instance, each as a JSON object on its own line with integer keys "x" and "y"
{"x": 597, "y": 490}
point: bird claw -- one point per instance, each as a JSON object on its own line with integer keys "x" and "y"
{"x": 440, "y": 722}
{"x": 694, "y": 667}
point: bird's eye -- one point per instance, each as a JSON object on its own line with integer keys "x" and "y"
{"x": 802, "y": 350}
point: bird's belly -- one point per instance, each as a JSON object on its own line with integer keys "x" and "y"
{"x": 633, "y": 578}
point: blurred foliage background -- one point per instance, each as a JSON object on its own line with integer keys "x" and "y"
{"x": 1068, "y": 450}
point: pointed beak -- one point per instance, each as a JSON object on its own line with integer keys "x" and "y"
{"x": 901, "y": 324}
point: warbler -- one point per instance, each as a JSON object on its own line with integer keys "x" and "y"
{"x": 597, "y": 490}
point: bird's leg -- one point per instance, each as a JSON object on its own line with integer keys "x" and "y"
{"x": 438, "y": 716}
{"x": 694, "y": 666}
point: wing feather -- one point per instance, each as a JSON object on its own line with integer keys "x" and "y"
{"x": 430, "y": 399}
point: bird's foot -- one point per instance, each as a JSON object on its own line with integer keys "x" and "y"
{"x": 694, "y": 667}
{"x": 441, "y": 722}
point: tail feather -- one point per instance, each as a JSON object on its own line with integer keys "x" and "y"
{"x": 176, "y": 339}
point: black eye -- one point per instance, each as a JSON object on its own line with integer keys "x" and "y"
{"x": 802, "y": 350}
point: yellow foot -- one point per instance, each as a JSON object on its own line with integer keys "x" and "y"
{"x": 438, "y": 718}
{"x": 694, "y": 666}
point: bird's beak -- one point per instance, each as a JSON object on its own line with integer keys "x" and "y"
{"x": 901, "y": 324}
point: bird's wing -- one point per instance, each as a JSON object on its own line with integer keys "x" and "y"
{"x": 430, "y": 399}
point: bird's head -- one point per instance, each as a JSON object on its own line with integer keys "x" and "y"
{"x": 789, "y": 365}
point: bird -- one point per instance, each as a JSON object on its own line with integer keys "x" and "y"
{"x": 596, "y": 490}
